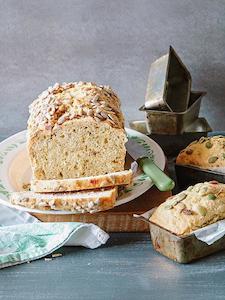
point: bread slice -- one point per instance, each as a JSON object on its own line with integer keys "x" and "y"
{"x": 79, "y": 184}
{"x": 80, "y": 202}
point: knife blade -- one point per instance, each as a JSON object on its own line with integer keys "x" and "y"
{"x": 146, "y": 163}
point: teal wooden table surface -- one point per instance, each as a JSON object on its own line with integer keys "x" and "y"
{"x": 126, "y": 268}
{"x": 110, "y": 42}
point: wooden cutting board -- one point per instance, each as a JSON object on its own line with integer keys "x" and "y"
{"x": 119, "y": 218}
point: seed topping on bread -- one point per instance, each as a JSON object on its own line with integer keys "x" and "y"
{"x": 206, "y": 153}
{"x": 196, "y": 207}
{"x": 63, "y": 102}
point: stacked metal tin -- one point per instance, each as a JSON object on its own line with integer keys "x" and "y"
{"x": 171, "y": 108}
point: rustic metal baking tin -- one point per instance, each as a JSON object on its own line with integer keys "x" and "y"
{"x": 189, "y": 175}
{"x": 173, "y": 144}
{"x": 169, "y": 84}
{"x": 166, "y": 122}
{"x": 182, "y": 249}
{"x": 199, "y": 126}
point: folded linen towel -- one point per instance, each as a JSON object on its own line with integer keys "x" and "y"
{"x": 28, "y": 239}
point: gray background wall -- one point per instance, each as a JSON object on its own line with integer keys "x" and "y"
{"x": 111, "y": 42}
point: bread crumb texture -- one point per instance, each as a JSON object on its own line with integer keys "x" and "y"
{"x": 84, "y": 183}
{"x": 79, "y": 202}
{"x": 76, "y": 130}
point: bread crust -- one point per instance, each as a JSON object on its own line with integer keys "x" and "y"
{"x": 76, "y": 130}
{"x": 79, "y": 202}
{"x": 85, "y": 183}
{"x": 194, "y": 208}
{"x": 68, "y": 101}
{"x": 206, "y": 153}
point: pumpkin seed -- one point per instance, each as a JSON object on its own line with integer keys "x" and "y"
{"x": 203, "y": 191}
{"x": 208, "y": 145}
{"x": 212, "y": 159}
{"x": 168, "y": 206}
{"x": 197, "y": 189}
{"x": 172, "y": 204}
{"x": 190, "y": 188}
{"x": 202, "y": 210}
{"x": 202, "y": 140}
{"x": 223, "y": 155}
{"x": 181, "y": 197}
{"x": 212, "y": 197}
{"x": 189, "y": 151}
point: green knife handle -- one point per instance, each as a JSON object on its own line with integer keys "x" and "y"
{"x": 158, "y": 177}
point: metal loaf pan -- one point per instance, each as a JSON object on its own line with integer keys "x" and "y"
{"x": 182, "y": 249}
{"x": 190, "y": 175}
{"x": 173, "y": 144}
{"x": 169, "y": 84}
{"x": 166, "y": 122}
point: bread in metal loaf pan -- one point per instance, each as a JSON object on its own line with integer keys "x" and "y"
{"x": 206, "y": 153}
{"x": 194, "y": 208}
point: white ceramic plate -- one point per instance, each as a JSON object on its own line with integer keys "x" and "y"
{"x": 15, "y": 169}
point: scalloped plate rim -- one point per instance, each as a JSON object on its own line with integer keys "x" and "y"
{"x": 135, "y": 192}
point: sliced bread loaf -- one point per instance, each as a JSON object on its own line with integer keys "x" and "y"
{"x": 80, "y": 202}
{"x": 76, "y": 130}
{"x": 79, "y": 184}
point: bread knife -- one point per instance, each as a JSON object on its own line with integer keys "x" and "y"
{"x": 141, "y": 156}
